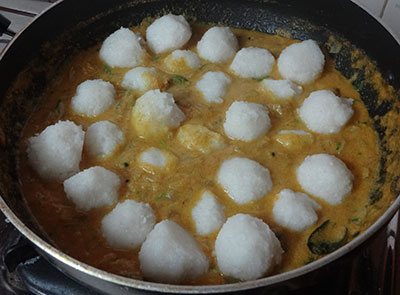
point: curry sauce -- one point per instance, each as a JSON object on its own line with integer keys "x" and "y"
{"x": 172, "y": 195}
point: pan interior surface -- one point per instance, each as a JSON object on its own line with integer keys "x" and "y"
{"x": 354, "y": 56}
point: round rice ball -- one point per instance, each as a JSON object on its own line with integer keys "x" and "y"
{"x": 246, "y": 248}
{"x": 294, "y": 210}
{"x": 208, "y": 214}
{"x": 252, "y": 62}
{"x": 324, "y": 112}
{"x": 167, "y": 33}
{"x": 141, "y": 79}
{"x": 93, "y": 97}
{"x": 213, "y": 86}
{"x": 181, "y": 60}
{"x": 301, "y": 62}
{"x": 102, "y": 138}
{"x": 128, "y": 224}
{"x": 244, "y": 180}
{"x": 246, "y": 121}
{"x": 155, "y": 112}
{"x": 122, "y": 49}
{"x": 93, "y": 188}
{"x": 282, "y": 88}
{"x": 56, "y": 152}
{"x": 326, "y": 177}
{"x": 218, "y": 44}
{"x": 171, "y": 255}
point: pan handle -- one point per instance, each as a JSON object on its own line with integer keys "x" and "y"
{"x": 4, "y": 24}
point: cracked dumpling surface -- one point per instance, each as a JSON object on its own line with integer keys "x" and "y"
{"x": 171, "y": 255}
{"x": 154, "y": 113}
{"x": 122, "y": 49}
{"x": 246, "y": 248}
{"x": 301, "y": 62}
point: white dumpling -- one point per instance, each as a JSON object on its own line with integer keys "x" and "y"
{"x": 324, "y": 112}
{"x": 295, "y": 210}
{"x": 246, "y": 121}
{"x": 208, "y": 214}
{"x": 167, "y": 33}
{"x": 155, "y": 112}
{"x": 102, "y": 138}
{"x": 301, "y": 62}
{"x": 246, "y": 248}
{"x": 93, "y": 97}
{"x": 218, "y": 44}
{"x": 142, "y": 79}
{"x": 252, "y": 62}
{"x": 244, "y": 180}
{"x": 56, "y": 152}
{"x": 213, "y": 86}
{"x": 128, "y": 224}
{"x": 326, "y": 177}
{"x": 171, "y": 255}
{"x": 93, "y": 188}
{"x": 122, "y": 49}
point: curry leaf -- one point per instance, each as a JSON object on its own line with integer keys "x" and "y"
{"x": 260, "y": 79}
{"x": 108, "y": 71}
{"x": 163, "y": 144}
{"x": 161, "y": 196}
{"x": 179, "y": 80}
{"x": 326, "y": 238}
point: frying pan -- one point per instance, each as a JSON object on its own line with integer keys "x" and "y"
{"x": 37, "y": 53}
